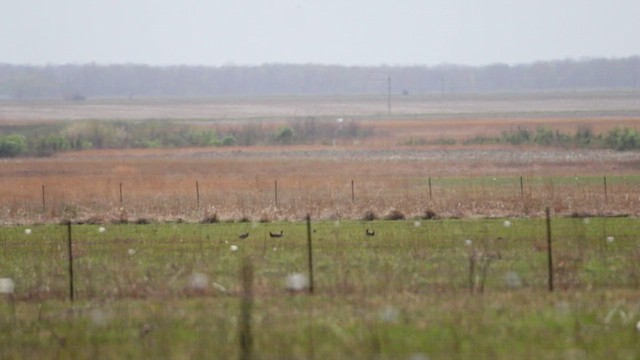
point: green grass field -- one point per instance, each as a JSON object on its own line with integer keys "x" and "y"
{"x": 174, "y": 290}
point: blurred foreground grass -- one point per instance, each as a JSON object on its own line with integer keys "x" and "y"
{"x": 172, "y": 290}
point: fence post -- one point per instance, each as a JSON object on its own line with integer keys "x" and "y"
{"x": 353, "y": 193}
{"x": 310, "y": 250}
{"x": 246, "y": 339}
{"x": 44, "y": 208}
{"x": 70, "y": 249}
{"x": 430, "y": 194}
{"x": 547, "y": 212}
{"x": 522, "y": 190}
{"x": 121, "y": 202}
{"x": 275, "y": 186}
{"x": 606, "y": 196}
{"x": 197, "y": 195}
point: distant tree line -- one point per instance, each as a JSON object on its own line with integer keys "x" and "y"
{"x": 77, "y": 82}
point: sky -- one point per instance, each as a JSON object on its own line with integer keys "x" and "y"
{"x": 344, "y": 32}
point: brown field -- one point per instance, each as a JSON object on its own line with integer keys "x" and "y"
{"x": 237, "y": 182}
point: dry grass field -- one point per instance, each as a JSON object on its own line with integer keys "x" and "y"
{"x": 239, "y": 182}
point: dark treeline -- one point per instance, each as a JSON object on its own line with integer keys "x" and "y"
{"x": 92, "y": 80}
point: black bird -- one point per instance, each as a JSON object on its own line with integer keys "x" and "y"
{"x": 370, "y": 233}
{"x": 276, "y": 235}
{"x": 244, "y": 235}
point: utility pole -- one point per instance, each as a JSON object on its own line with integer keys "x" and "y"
{"x": 389, "y": 95}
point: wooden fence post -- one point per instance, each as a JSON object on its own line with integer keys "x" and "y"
{"x": 246, "y": 338}
{"x": 70, "y": 249}
{"x": 197, "y": 195}
{"x": 353, "y": 193}
{"x": 44, "y": 208}
{"x": 275, "y": 186}
{"x": 310, "y": 250}
{"x": 522, "y": 190}
{"x": 547, "y": 212}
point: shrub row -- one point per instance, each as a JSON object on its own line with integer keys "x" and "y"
{"x": 39, "y": 140}
{"x": 618, "y": 138}
{"x": 621, "y": 139}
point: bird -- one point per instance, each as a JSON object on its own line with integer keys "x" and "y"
{"x": 244, "y": 235}
{"x": 275, "y": 235}
{"x": 370, "y": 233}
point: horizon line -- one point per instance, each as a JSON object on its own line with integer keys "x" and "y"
{"x": 383, "y": 65}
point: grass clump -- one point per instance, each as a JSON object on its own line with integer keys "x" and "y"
{"x": 369, "y": 215}
{"x": 210, "y": 218}
{"x": 394, "y": 215}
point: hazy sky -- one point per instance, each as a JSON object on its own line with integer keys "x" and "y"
{"x": 356, "y": 32}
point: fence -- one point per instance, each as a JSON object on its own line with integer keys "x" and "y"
{"x": 279, "y": 199}
{"x": 130, "y": 261}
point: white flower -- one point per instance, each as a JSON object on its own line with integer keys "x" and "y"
{"x": 586, "y": 221}
{"x": 27, "y": 231}
{"x": 296, "y": 282}
{"x": 563, "y": 307}
{"x": 417, "y": 223}
{"x": 638, "y": 326}
{"x": 131, "y": 251}
{"x": 198, "y": 281}
{"x": 610, "y": 239}
{"x": 98, "y": 317}
{"x": 6, "y": 286}
{"x": 468, "y": 242}
{"x": 506, "y": 223}
{"x": 512, "y": 280}
{"x": 233, "y": 247}
{"x": 419, "y": 356}
{"x": 219, "y": 287}
{"x": 336, "y": 223}
{"x": 390, "y": 315}
{"x": 102, "y": 229}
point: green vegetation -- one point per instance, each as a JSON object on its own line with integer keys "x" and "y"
{"x": 620, "y": 139}
{"x": 12, "y": 145}
{"x": 46, "y": 140}
{"x": 623, "y": 139}
{"x": 400, "y": 294}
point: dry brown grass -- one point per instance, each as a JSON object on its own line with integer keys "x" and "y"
{"x": 160, "y": 184}
{"x": 463, "y": 129}
{"x": 239, "y": 182}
